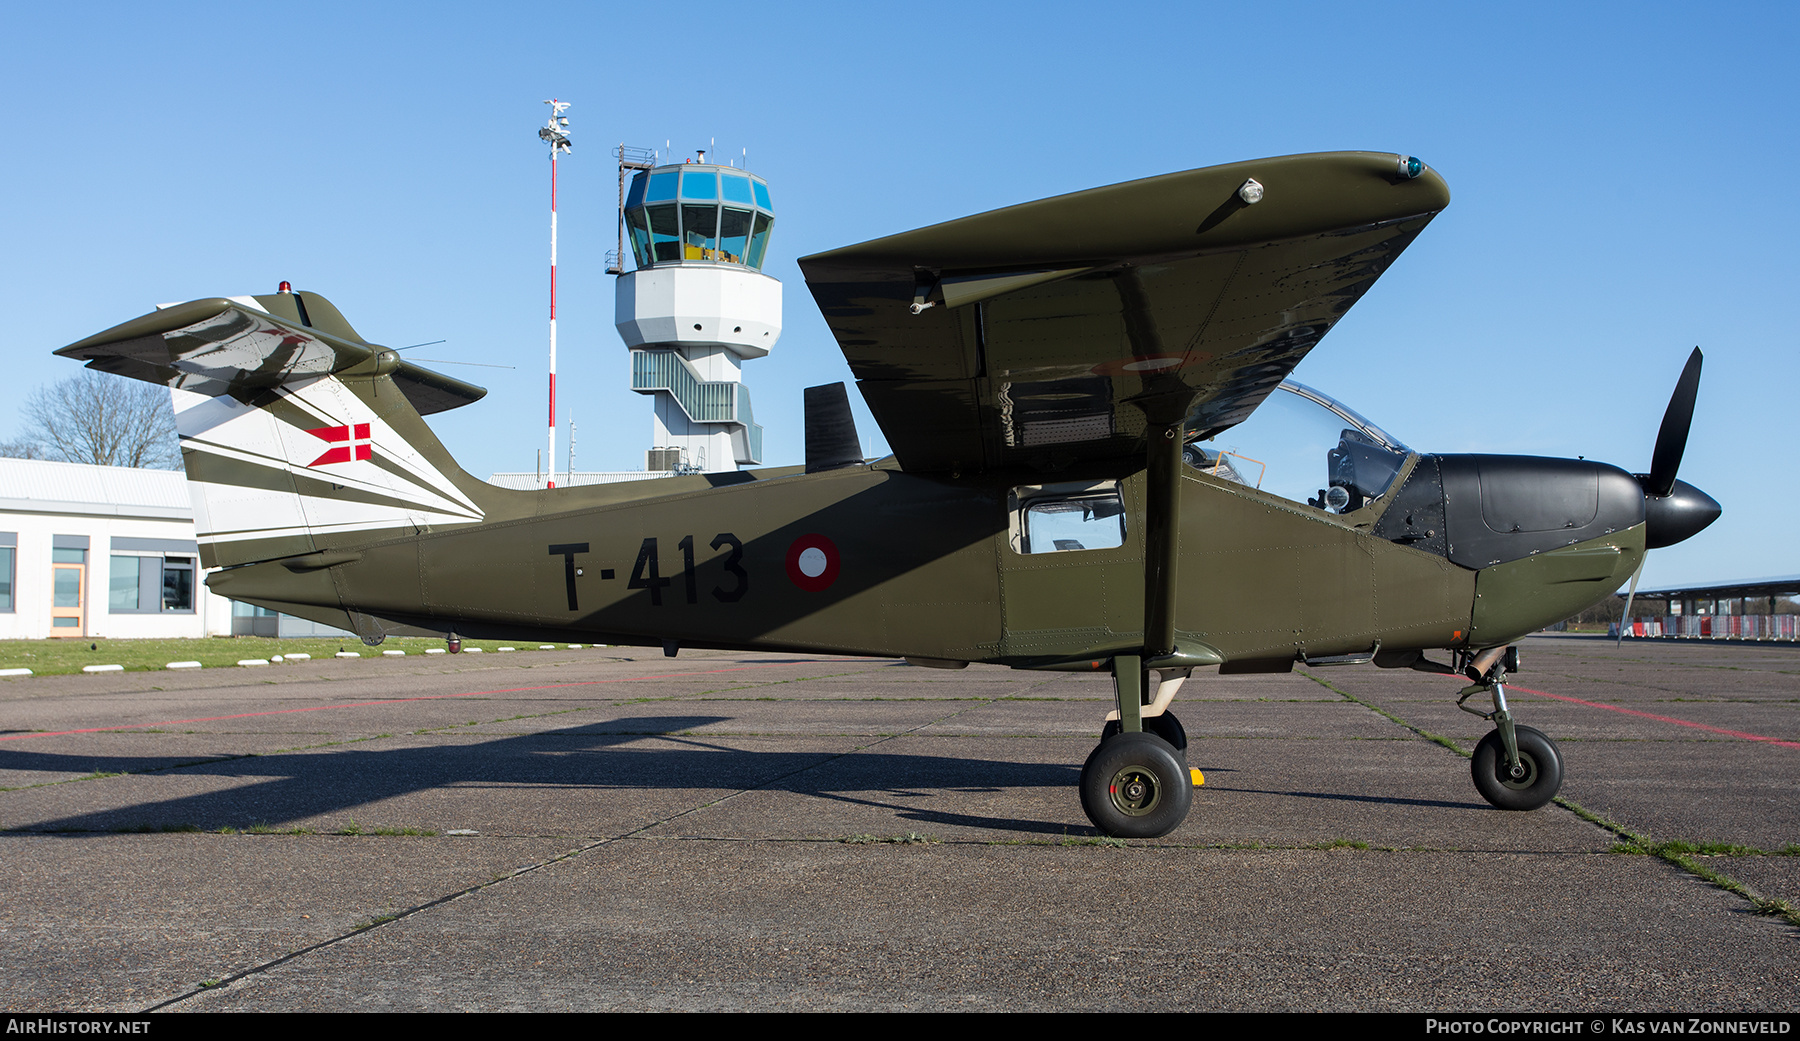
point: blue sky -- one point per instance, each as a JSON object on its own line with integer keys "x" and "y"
{"x": 1623, "y": 181}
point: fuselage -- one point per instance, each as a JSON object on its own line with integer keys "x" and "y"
{"x": 874, "y": 560}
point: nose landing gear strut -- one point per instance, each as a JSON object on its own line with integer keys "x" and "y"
{"x": 1515, "y": 767}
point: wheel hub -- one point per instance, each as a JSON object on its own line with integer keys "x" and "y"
{"x": 1134, "y": 791}
{"x": 1524, "y": 777}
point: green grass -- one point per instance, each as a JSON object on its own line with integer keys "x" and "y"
{"x": 67, "y": 656}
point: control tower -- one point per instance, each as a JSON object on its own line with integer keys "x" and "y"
{"x": 696, "y": 307}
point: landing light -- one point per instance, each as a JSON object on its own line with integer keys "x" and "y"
{"x": 1251, "y": 191}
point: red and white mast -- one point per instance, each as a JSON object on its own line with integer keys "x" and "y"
{"x": 555, "y": 133}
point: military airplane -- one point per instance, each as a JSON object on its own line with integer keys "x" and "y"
{"x": 1072, "y": 390}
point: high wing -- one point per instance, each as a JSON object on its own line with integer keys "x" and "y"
{"x": 1057, "y": 332}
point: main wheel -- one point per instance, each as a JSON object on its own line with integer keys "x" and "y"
{"x": 1135, "y": 787}
{"x": 1540, "y": 782}
{"x": 1165, "y": 726}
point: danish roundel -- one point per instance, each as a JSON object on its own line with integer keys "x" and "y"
{"x": 812, "y": 562}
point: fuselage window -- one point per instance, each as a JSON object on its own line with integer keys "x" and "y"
{"x": 1064, "y": 523}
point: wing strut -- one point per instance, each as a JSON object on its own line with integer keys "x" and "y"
{"x": 1162, "y": 537}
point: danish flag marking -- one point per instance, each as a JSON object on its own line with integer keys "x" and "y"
{"x": 347, "y": 443}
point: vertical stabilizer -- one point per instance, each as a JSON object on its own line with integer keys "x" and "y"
{"x": 295, "y": 439}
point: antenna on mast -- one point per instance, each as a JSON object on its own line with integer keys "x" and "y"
{"x": 555, "y": 133}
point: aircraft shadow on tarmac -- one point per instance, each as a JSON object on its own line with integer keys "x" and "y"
{"x": 595, "y": 758}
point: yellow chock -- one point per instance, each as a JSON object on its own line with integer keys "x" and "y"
{"x": 1199, "y": 778}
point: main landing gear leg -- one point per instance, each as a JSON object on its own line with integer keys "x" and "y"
{"x": 1515, "y": 767}
{"x": 1135, "y": 784}
{"x": 1154, "y": 711}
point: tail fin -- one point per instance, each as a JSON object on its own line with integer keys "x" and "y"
{"x": 297, "y": 435}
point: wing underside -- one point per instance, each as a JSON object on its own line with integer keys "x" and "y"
{"x": 1053, "y": 333}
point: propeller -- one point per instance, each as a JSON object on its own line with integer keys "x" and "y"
{"x": 1674, "y": 510}
{"x": 1671, "y": 438}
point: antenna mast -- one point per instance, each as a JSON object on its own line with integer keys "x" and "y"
{"x": 555, "y": 133}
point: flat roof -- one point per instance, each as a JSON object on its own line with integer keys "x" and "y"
{"x": 41, "y": 486}
{"x": 1779, "y": 585}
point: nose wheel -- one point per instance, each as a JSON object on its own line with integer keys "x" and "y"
{"x": 1532, "y": 783}
{"x": 1515, "y": 767}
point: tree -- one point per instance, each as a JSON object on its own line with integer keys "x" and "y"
{"x": 99, "y": 418}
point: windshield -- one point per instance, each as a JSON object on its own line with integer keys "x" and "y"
{"x": 1305, "y": 446}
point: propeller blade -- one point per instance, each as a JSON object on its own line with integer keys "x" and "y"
{"x": 1625, "y": 619}
{"x": 1671, "y": 439}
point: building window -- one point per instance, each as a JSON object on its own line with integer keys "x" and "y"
{"x": 122, "y": 592}
{"x": 149, "y": 585}
{"x": 178, "y": 584}
{"x": 7, "y": 561}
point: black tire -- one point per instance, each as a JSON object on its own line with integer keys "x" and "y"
{"x": 1165, "y": 726}
{"x": 1543, "y": 770}
{"x": 1136, "y": 787}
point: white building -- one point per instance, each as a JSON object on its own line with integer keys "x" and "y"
{"x": 90, "y": 551}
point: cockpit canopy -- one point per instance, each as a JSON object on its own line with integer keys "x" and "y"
{"x": 698, "y": 214}
{"x": 1307, "y": 447}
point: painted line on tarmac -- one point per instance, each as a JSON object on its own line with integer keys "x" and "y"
{"x": 1662, "y": 719}
{"x": 402, "y": 701}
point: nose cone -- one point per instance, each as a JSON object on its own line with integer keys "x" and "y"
{"x": 1678, "y": 515}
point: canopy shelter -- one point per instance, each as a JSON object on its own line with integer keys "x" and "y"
{"x": 1718, "y": 597}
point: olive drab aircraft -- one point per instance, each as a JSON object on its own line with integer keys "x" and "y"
{"x": 1072, "y": 389}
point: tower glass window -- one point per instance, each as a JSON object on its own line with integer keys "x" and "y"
{"x": 700, "y": 226}
{"x": 759, "y": 240}
{"x": 734, "y": 234}
{"x": 698, "y": 214}
{"x": 735, "y": 188}
{"x": 665, "y": 234}
{"x": 699, "y": 184}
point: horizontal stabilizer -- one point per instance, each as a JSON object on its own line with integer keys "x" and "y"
{"x": 298, "y": 437}
{"x": 218, "y": 346}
